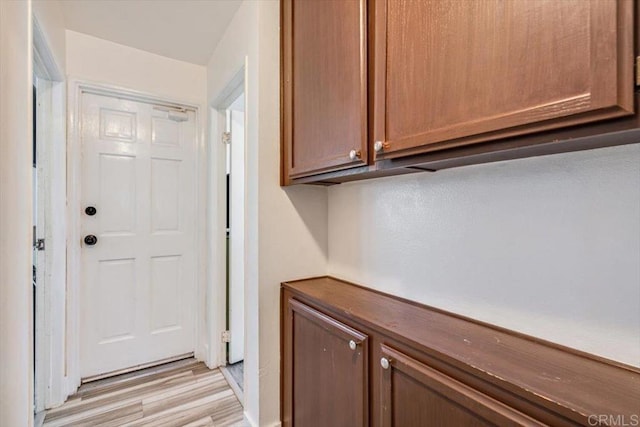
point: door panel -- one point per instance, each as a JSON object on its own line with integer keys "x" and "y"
{"x": 325, "y": 85}
{"x": 449, "y": 71}
{"x": 116, "y": 288}
{"x": 138, "y": 287}
{"x": 117, "y": 208}
{"x": 165, "y": 195}
{"x": 165, "y": 293}
{"x": 165, "y": 131}
{"x": 330, "y": 362}
{"x": 414, "y": 394}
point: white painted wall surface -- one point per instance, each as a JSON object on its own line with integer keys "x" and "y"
{"x": 16, "y": 316}
{"x": 549, "y": 246}
{"x": 101, "y": 61}
{"x": 286, "y": 233}
{"x": 51, "y": 21}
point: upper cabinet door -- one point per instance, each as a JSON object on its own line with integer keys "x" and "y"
{"x": 451, "y": 73}
{"x": 324, "y": 86}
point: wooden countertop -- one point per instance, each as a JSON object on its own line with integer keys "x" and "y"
{"x": 579, "y": 384}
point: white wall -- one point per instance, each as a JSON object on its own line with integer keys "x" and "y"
{"x": 50, "y": 18}
{"x": 286, "y": 229}
{"x": 549, "y": 246}
{"x": 101, "y": 61}
{"x": 16, "y": 321}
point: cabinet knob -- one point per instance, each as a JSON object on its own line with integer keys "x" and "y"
{"x": 353, "y": 154}
{"x": 379, "y": 146}
{"x": 352, "y": 345}
{"x": 384, "y": 362}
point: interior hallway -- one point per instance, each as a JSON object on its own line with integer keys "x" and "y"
{"x": 183, "y": 393}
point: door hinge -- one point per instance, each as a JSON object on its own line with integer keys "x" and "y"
{"x": 226, "y": 137}
{"x": 226, "y": 336}
{"x": 637, "y": 64}
{"x": 38, "y": 245}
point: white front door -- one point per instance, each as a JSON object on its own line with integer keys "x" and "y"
{"x": 138, "y": 205}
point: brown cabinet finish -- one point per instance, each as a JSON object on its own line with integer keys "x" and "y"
{"x": 328, "y": 383}
{"x": 324, "y": 86}
{"x": 451, "y": 73}
{"x": 414, "y": 394}
{"x": 433, "y": 84}
{"x": 446, "y": 369}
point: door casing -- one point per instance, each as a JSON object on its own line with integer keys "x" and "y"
{"x": 234, "y": 87}
{"x": 50, "y": 388}
{"x": 76, "y": 88}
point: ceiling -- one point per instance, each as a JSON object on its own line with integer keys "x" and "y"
{"x": 187, "y": 30}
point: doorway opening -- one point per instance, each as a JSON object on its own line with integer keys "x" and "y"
{"x": 143, "y": 234}
{"x": 139, "y": 242}
{"x": 234, "y": 138}
{"x": 228, "y": 197}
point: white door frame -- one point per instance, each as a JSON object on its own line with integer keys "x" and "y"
{"x": 49, "y": 381}
{"x": 74, "y": 152}
{"x": 217, "y": 207}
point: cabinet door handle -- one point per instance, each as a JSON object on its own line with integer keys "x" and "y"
{"x": 353, "y": 345}
{"x": 384, "y": 362}
{"x": 379, "y": 146}
{"x": 353, "y": 154}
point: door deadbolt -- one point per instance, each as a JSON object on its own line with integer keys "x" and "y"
{"x": 90, "y": 210}
{"x": 90, "y": 240}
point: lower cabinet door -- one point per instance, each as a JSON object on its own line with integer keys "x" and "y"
{"x": 329, "y": 381}
{"x": 414, "y": 394}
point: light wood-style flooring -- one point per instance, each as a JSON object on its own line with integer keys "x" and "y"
{"x": 184, "y": 393}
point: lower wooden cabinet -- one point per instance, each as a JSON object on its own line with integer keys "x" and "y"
{"x": 328, "y": 383}
{"x": 356, "y": 357}
{"x": 414, "y": 394}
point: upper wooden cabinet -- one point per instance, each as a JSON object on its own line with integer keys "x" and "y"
{"x": 451, "y": 73}
{"x": 324, "y": 86}
{"x": 431, "y": 84}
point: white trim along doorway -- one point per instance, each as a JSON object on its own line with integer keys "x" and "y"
{"x": 50, "y": 192}
{"x": 229, "y": 197}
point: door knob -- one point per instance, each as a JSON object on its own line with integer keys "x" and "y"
{"x": 90, "y": 210}
{"x": 90, "y": 240}
{"x": 353, "y": 154}
{"x": 353, "y": 345}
